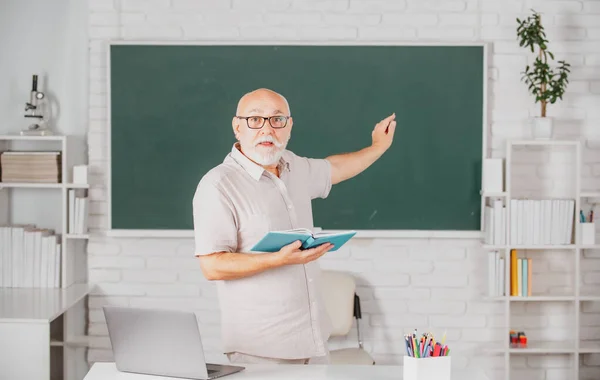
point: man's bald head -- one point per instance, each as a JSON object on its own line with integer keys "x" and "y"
{"x": 263, "y": 100}
{"x": 263, "y": 144}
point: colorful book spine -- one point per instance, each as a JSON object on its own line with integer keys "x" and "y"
{"x": 529, "y": 277}
{"x": 520, "y": 275}
{"x": 513, "y": 272}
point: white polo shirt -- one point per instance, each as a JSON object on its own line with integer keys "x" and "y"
{"x": 277, "y": 313}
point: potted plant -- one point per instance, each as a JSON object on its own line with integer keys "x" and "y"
{"x": 545, "y": 83}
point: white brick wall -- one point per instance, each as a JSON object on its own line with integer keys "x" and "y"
{"x": 404, "y": 283}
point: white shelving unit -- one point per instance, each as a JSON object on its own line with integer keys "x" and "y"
{"x": 43, "y": 329}
{"x": 575, "y": 347}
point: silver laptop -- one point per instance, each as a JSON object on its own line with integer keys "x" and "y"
{"x": 160, "y": 342}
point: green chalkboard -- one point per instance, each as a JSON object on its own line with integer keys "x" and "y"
{"x": 171, "y": 108}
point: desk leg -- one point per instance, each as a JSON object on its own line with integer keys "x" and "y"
{"x": 24, "y": 351}
{"x": 75, "y": 353}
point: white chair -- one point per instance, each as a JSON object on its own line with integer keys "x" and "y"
{"x": 343, "y": 304}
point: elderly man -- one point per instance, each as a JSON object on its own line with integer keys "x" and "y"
{"x": 271, "y": 310}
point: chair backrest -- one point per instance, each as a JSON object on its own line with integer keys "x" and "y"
{"x": 338, "y": 290}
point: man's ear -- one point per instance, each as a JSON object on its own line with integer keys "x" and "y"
{"x": 290, "y": 122}
{"x": 236, "y": 126}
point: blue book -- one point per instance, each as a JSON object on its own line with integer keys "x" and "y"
{"x": 273, "y": 241}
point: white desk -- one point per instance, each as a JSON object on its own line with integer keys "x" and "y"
{"x": 35, "y": 325}
{"x": 108, "y": 371}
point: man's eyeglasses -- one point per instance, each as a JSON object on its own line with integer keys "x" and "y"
{"x": 257, "y": 122}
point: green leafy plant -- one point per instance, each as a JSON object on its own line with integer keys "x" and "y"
{"x": 545, "y": 83}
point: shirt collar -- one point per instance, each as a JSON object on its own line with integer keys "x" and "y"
{"x": 255, "y": 170}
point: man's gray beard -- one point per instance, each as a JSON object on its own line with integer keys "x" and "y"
{"x": 268, "y": 159}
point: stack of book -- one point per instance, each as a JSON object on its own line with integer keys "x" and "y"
{"x": 541, "y": 221}
{"x": 496, "y": 267}
{"x": 78, "y": 213}
{"x": 519, "y": 275}
{"x": 30, "y": 257}
{"x": 30, "y": 166}
{"x": 532, "y": 222}
{"x": 495, "y": 223}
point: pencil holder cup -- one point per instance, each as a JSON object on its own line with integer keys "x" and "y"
{"x": 435, "y": 367}
{"x": 587, "y": 233}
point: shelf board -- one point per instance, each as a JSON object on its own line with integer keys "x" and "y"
{"x": 76, "y": 185}
{"x": 43, "y": 185}
{"x": 548, "y": 347}
{"x": 532, "y": 247}
{"x": 75, "y": 341}
{"x": 590, "y": 194}
{"x": 540, "y": 247}
{"x": 77, "y": 236}
{"x": 545, "y": 142}
{"x": 589, "y": 347}
{"x": 495, "y": 194}
{"x": 31, "y": 185}
{"x": 39, "y": 304}
{"x": 32, "y": 138}
{"x": 589, "y": 298}
{"x": 595, "y": 246}
{"x": 556, "y": 298}
{"x": 549, "y": 298}
{"x": 585, "y": 194}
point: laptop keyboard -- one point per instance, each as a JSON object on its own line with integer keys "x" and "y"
{"x": 211, "y": 371}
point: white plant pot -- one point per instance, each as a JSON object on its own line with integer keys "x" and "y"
{"x": 542, "y": 128}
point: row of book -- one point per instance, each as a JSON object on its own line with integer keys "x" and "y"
{"x": 519, "y": 275}
{"x": 78, "y": 213}
{"x": 31, "y": 166}
{"x": 494, "y": 219}
{"x": 496, "y": 278}
{"x": 30, "y": 257}
{"x": 532, "y": 222}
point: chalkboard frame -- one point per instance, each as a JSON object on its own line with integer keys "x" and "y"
{"x": 449, "y": 234}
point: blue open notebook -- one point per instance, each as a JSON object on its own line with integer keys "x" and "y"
{"x": 273, "y": 241}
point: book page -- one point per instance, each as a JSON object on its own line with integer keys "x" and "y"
{"x": 325, "y": 233}
{"x": 305, "y": 231}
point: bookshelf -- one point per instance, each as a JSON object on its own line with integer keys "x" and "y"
{"x": 571, "y": 293}
{"x": 43, "y": 324}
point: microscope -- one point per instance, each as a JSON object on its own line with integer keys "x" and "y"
{"x": 34, "y": 109}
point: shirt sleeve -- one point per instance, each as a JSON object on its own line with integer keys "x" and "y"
{"x": 319, "y": 177}
{"x": 215, "y": 228}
